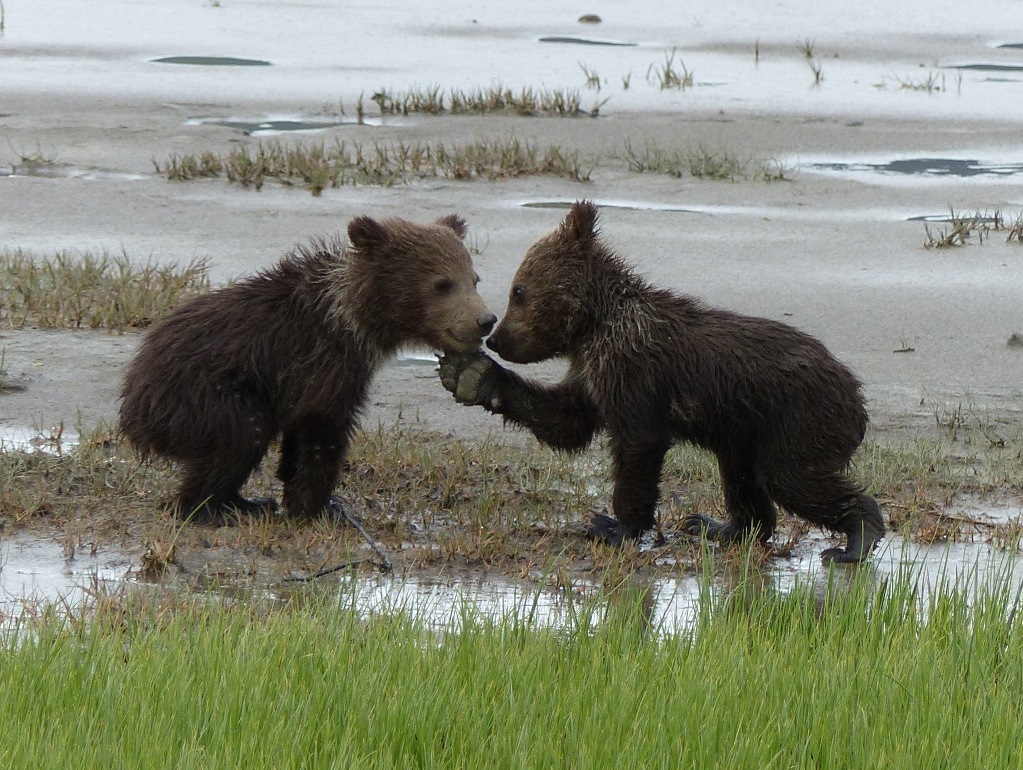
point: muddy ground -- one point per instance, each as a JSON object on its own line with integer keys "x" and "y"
{"x": 833, "y": 253}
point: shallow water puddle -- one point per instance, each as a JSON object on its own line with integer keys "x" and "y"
{"x": 948, "y": 219}
{"x": 280, "y": 125}
{"x": 672, "y": 605}
{"x": 34, "y": 571}
{"x": 269, "y": 126}
{"x": 958, "y": 167}
{"x": 620, "y": 205}
{"x": 986, "y": 67}
{"x": 212, "y": 61}
{"x": 577, "y": 40}
{"x": 21, "y": 438}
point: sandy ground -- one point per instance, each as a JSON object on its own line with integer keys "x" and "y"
{"x": 831, "y": 253}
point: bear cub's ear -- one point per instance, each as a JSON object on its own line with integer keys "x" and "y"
{"x": 366, "y": 233}
{"x": 456, "y": 223}
{"x": 581, "y": 222}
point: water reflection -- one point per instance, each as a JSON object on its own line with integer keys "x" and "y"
{"x": 675, "y": 605}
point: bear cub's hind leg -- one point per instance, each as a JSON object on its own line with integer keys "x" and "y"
{"x": 863, "y": 527}
{"x": 311, "y": 453}
{"x": 749, "y": 505}
{"x": 211, "y": 490}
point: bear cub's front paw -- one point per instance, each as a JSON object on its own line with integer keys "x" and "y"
{"x": 471, "y": 377}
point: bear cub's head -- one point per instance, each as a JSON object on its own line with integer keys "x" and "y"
{"x": 551, "y": 299}
{"x": 409, "y": 283}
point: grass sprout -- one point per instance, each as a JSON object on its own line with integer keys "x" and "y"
{"x": 669, "y": 74}
{"x": 1015, "y": 230}
{"x": 818, "y": 72}
{"x": 592, "y": 78}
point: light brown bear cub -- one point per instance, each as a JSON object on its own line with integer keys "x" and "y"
{"x": 652, "y": 368}
{"x": 290, "y": 353}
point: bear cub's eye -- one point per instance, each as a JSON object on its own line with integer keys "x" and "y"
{"x": 443, "y": 285}
{"x": 518, "y": 294}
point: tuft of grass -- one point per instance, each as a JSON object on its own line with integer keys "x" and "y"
{"x": 3, "y": 17}
{"x": 592, "y": 77}
{"x": 1015, "y": 230}
{"x": 182, "y": 167}
{"x": 497, "y": 99}
{"x": 35, "y": 162}
{"x": 668, "y": 74}
{"x": 318, "y": 166}
{"x": 961, "y": 228}
{"x": 930, "y": 83}
{"x": 703, "y": 163}
{"x": 806, "y": 47}
{"x": 92, "y": 291}
{"x": 773, "y": 170}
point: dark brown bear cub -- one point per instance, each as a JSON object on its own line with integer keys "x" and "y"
{"x": 651, "y": 368}
{"x": 290, "y": 353}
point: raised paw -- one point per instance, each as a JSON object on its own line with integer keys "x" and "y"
{"x": 470, "y": 378}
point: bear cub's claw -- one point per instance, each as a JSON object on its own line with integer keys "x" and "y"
{"x": 704, "y": 526}
{"x": 470, "y": 378}
{"x": 226, "y": 514}
{"x": 610, "y": 531}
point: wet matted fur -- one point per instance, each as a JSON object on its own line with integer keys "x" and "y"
{"x": 289, "y": 353}
{"x": 652, "y": 367}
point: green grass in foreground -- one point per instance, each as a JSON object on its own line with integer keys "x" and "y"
{"x": 871, "y": 677}
{"x": 92, "y": 291}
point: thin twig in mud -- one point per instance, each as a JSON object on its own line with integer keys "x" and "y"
{"x": 325, "y": 571}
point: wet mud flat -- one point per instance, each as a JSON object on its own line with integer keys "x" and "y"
{"x": 836, "y": 247}
{"x": 39, "y": 571}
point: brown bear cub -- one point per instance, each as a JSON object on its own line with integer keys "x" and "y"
{"x": 651, "y": 368}
{"x": 290, "y": 353}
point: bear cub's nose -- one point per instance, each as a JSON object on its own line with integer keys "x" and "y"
{"x": 486, "y": 323}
